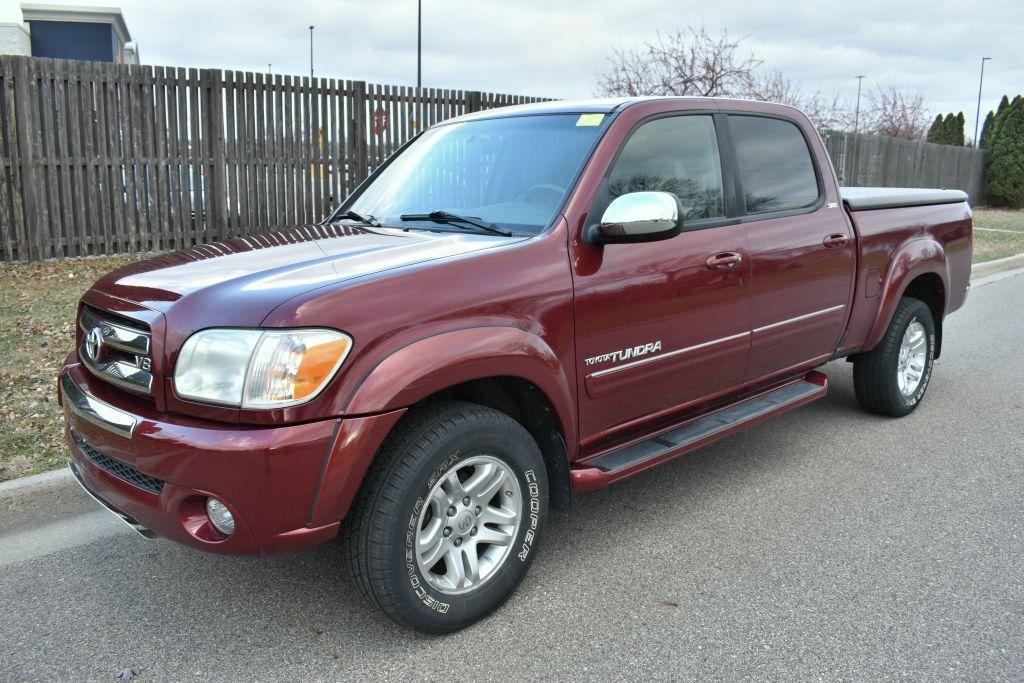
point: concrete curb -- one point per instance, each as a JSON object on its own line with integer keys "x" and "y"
{"x": 52, "y": 495}
{"x": 40, "y": 499}
{"x": 983, "y": 270}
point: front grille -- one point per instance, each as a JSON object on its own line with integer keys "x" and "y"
{"x": 121, "y": 470}
{"x": 116, "y": 350}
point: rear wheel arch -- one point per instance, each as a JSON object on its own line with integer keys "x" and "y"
{"x": 918, "y": 271}
{"x": 930, "y": 289}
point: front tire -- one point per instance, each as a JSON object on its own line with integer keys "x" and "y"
{"x": 448, "y": 520}
{"x": 891, "y": 379}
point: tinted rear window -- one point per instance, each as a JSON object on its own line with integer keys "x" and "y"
{"x": 775, "y": 164}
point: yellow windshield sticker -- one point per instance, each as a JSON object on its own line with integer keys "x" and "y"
{"x": 590, "y": 120}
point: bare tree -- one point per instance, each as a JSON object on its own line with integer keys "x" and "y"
{"x": 891, "y": 111}
{"x": 688, "y": 61}
{"x": 770, "y": 85}
{"x": 693, "y": 62}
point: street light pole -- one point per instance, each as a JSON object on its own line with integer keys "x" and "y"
{"x": 311, "y": 53}
{"x": 856, "y": 115}
{"x": 977, "y": 112}
{"x": 419, "y": 44}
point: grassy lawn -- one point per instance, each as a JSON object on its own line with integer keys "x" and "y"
{"x": 37, "y": 315}
{"x": 999, "y": 233}
{"x": 999, "y": 219}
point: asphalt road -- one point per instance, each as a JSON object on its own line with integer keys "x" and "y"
{"x": 827, "y": 544}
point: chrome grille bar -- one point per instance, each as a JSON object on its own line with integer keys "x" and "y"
{"x": 116, "y": 352}
{"x": 117, "y": 336}
{"x": 117, "y": 372}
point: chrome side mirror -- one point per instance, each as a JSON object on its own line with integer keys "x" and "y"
{"x": 639, "y": 217}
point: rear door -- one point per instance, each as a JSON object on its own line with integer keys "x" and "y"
{"x": 801, "y": 247}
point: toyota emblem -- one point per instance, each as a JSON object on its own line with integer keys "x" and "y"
{"x": 94, "y": 343}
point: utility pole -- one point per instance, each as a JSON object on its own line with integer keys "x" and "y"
{"x": 846, "y": 135}
{"x": 977, "y": 112}
{"x": 270, "y": 68}
{"x": 856, "y": 115}
{"x": 419, "y": 44}
{"x": 311, "y": 53}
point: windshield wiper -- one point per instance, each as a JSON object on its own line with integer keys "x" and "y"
{"x": 446, "y": 217}
{"x": 353, "y": 216}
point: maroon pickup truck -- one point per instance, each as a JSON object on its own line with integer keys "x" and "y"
{"x": 519, "y": 305}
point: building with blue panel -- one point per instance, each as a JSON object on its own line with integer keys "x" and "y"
{"x": 97, "y": 34}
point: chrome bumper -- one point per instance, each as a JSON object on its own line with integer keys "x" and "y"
{"x": 95, "y": 411}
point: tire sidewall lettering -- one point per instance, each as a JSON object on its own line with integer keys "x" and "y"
{"x": 533, "y": 490}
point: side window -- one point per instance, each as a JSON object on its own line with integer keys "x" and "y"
{"x": 678, "y": 154}
{"x": 775, "y": 164}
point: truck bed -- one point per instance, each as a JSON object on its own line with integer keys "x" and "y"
{"x": 871, "y": 198}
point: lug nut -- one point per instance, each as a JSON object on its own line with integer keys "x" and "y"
{"x": 472, "y": 532}
{"x": 478, "y": 509}
{"x": 451, "y": 511}
{"x": 465, "y": 501}
{"x": 458, "y": 542}
{"x": 447, "y": 531}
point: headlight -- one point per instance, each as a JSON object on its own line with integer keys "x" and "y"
{"x": 258, "y": 368}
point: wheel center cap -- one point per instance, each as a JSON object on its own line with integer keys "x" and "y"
{"x": 465, "y": 522}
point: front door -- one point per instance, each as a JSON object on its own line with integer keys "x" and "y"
{"x": 662, "y": 324}
{"x": 801, "y": 248}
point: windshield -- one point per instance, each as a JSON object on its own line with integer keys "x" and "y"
{"x": 512, "y": 172}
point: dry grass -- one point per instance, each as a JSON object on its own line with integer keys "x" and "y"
{"x": 37, "y": 316}
{"x": 999, "y": 219}
{"x": 998, "y": 233}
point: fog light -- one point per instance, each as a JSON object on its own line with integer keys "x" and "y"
{"x": 220, "y": 516}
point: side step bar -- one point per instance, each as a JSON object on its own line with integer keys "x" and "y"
{"x": 610, "y": 467}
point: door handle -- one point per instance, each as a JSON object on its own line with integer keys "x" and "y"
{"x": 835, "y": 240}
{"x": 724, "y": 260}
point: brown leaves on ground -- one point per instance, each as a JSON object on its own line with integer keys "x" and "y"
{"x": 38, "y": 302}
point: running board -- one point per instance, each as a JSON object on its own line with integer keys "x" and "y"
{"x": 623, "y": 462}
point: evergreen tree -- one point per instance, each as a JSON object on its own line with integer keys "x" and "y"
{"x": 959, "y": 132}
{"x": 1004, "y": 105}
{"x": 1005, "y": 173}
{"x": 948, "y": 130}
{"x": 935, "y": 132}
{"x": 986, "y": 131}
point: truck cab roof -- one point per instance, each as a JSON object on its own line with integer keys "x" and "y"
{"x": 608, "y": 105}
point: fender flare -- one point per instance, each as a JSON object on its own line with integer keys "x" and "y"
{"x": 421, "y": 368}
{"x": 915, "y": 258}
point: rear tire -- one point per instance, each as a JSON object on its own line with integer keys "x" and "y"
{"x": 891, "y": 379}
{"x": 419, "y": 551}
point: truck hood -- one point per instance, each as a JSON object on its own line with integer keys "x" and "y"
{"x": 239, "y": 281}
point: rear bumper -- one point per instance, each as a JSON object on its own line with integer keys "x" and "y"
{"x": 288, "y": 487}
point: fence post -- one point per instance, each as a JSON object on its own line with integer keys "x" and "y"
{"x": 213, "y": 83}
{"x": 14, "y": 225}
{"x": 472, "y": 101}
{"x": 361, "y": 163}
{"x": 24, "y": 96}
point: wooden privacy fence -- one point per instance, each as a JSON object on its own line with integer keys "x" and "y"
{"x": 864, "y": 160}
{"x": 105, "y": 158}
{"x": 102, "y": 158}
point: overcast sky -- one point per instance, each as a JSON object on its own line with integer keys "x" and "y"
{"x": 558, "y": 48}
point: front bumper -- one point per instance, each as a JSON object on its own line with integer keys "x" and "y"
{"x": 288, "y": 487}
